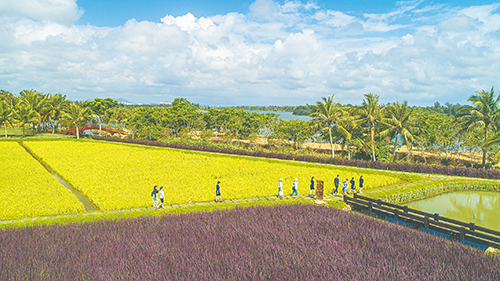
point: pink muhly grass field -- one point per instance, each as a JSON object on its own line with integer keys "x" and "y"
{"x": 292, "y": 242}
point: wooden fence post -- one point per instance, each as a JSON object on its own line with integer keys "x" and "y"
{"x": 396, "y": 214}
{"x": 319, "y": 190}
{"x": 472, "y": 226}
{"x": 436, "y": 217}
{"x": 462, "y": 233}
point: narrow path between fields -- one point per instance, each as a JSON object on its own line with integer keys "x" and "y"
{"x": 327, "y": 197}
{"x": 87, "y": 204}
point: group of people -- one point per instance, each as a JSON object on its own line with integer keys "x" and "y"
{"x": 294, "y": 187}
{"x": 158, "y": 197}
{"x": 158, "y": 194}
{"x": 345, "y": 185}
{"x": 336, "y": 184}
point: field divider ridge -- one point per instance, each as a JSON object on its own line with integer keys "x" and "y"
{"x": 234, "y": 201}
{"x": 87, "y": 203}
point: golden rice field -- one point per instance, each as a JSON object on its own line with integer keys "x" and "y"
{"x": 118, "y": 176}
{"x": 27, "y": 189}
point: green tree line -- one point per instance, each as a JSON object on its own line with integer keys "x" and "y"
{"x": 368, "y": 131}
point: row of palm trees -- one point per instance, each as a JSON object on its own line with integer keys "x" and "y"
{"x": 399, "y": 123}
{"x": 44, "y": 111}
{"x": 368, "y": 127}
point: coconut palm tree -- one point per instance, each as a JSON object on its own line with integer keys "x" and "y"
{"x": 328, "y": 113}
{"x": 23, "y": 115}
{"x": 57, "y": 104}
{"x": 372, "y": 114}
{"x": 348, "y": 128}
{"x": 6, "y": 115}
{"x": 399, "y": 120}
{"x": 35, "y": 102}
{"x": 485, "y": 111}
{"x": 75, "y": 115}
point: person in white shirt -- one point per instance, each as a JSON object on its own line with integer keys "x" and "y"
{"x": 162, "y": 196}
{"x": 280, "y": 188}
{"x": 294, "y": 187}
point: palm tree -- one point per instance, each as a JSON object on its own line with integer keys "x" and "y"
{"x": 75, "y": 115}
{"x": 57, "y": 103}
{"x": 421, "y": 132}
{"x": 399, "y": 120}
{"x": 5, "y": 115}
{"x": 44, "y": 115}
{"x": 328, "y": 113}
{"x": 24, "y": 115}
{"x": 35, "y": 102}
{"x": 485, "y": 112}
{"x": 8, "y": 97}
{"x": 372, "y": 114}
{"x": 345, "y": 127}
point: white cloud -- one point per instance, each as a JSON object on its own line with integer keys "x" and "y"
{"x": 297, "y": 55}
{"x": 57, "y": 11}
{"x": 264, "y": 9}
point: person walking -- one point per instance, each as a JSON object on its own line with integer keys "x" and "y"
{"x": 280, "y": 188}
{"x": 361, "y": 182}
{"x": 344, "y": 188}
{"x": 154, "y": 194}
{"x": 311, "y": 192}
{"x": 162, "y": 196}
{"x": 217, "y": 192}
{"x": 353, "y": 185}
{"x": 336, "y": 183}
{"x": 294, "y": 187}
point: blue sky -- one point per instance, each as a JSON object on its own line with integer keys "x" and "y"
{"x": 114, "y": 13}
{"x": 258, "y": 52}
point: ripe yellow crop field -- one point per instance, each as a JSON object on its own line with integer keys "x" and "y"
{"x": 117, "y": 176}
{"x": 27, "y": 189}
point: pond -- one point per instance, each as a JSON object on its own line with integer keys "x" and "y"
{"x": 479, "y": 207}
{"x": 284, "y": 115}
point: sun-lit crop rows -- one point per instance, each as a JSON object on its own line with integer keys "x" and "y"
{"x": 115, "y": 176}
{"x": 27, "y": 189}
{"x": 295, "y": 242}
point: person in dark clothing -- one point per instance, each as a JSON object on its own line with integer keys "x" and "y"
{"x": 154, "y": 194}
{"x": 311, "y": 192}
{"x": 361, "y": 182}
{"x": 217, "y": 192}
{"x": 353, "y": 185}
{"x": 336, "y": 183}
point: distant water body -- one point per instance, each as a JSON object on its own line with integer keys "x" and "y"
{"x": 284, "y": 115}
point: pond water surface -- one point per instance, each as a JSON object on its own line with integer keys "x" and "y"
{"x": 284, "y": 115}
{"x": 479, "y": 207}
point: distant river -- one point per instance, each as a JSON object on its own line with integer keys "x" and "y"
{"x": 284, "y": 115}
{"x": 479, "y": 207}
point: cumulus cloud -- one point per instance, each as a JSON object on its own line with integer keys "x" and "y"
{"x": 286, "y": 53}
{"x": 265, "y": 9}
{"x": 57, "y": 11}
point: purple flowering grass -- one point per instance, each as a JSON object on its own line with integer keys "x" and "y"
{"x": 292, "y": 242}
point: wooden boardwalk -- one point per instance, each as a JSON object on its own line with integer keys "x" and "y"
{"x": 467, "y": 233}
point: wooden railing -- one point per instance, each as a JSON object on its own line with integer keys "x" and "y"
{"x": 468, "y": 233}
